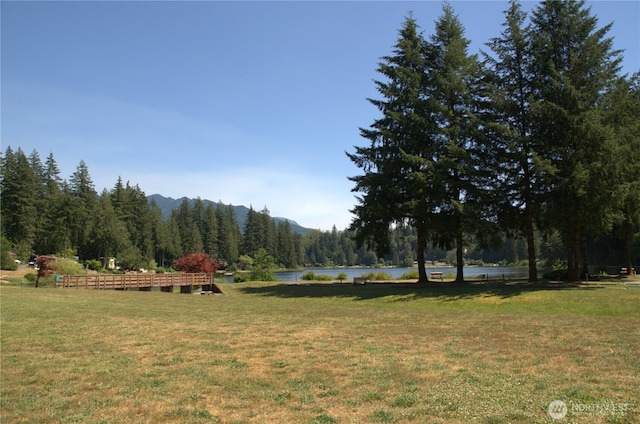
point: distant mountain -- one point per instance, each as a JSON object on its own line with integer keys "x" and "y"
{"x": 168, "y": 204}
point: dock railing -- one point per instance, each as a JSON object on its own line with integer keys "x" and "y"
{"x": 134, "y": 281}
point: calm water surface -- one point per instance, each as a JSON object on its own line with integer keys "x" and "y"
{"x": 492, "y": 271}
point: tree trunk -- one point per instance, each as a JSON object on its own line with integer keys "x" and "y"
{"x": 528, "y": 208}
{"x": 578, "y": 253}
{"x": 584, "y": 270}
{"x": 421, "y": 245}
{"x": 531, "y": 246}
{"x": 627, "y": 247}
{"x": 105, "y": 260}
{"x": 573, "y": 254}
{"x": 459, "y": 257}
{"x": 570, "y": 258}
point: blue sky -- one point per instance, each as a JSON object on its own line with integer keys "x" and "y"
{"x": 250, "y": 103}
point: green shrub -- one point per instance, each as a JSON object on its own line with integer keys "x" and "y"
{"x": 559, "y": 264}
{"x": 263, "y": 266}
{"x": 93, "y": 264}
{"x": 152, "y": 266}
{"x": 6, "y": 261}
{"x": 245, "y": 262}
{"x": 557, "y": 275}
{"x": 31, "y": 277}
{"x": 9, "y": 264}
{"x": 263, "y": 275}
{"x": 410, "y": 275}
{"x": 377, "y": 276}
{"x": 241, "y": 277}
{"x": 309, "y": 276}
{"x": 312, "y": 276}
{"x": 68, "y": 267}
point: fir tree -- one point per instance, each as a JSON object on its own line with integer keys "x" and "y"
{"x": 81, "y": 207}
{"x": 51, "y": 237}
{"x": 210, "y": 231}
{"x": 574, "y": 65}
{"x": 20, "y": 201}
{"x": 514, "y": 153}
{"x": 396, "y": 164}
{"x": 456, "y": 92}
{"x": 109, "y": 234}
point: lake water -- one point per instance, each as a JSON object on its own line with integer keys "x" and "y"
{"x": 492, "y": 271}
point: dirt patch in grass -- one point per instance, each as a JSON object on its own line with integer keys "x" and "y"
{"x": 7, "y": 275}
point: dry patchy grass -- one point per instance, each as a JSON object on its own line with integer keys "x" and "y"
{"x": 274, "y": 353}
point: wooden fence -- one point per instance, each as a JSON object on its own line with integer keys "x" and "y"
{"x": 144, "y": 282}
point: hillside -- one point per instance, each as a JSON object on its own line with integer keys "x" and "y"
{"x": 167, "y": 204}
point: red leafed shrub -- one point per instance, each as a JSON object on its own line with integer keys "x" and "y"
{"x": 45, "y": 267}
{"x": 196, "y": 262}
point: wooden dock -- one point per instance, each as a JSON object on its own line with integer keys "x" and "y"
{"x": 142, "y": 282}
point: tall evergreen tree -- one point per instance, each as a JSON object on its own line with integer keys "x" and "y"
{"x": 183, "y": 216}
{"x": 20, "y": 200}
{"x": 119, "y": 199}
{"x": 139, "y": 222}
{"x": 39, "y": 196}
{"x": 210, "y": 231}
{"x": 285, "y": 246}
{"x": 270, "y": 239}
{"x": 622, "y": 110}
{"x": 52, "y": 231}
{"x": 160, "y": 236}
{"x": 298, "y": 249}
{"x": 254, "y": 233}
{"x": 196, "y": 239}
{"x": 174, "y": 248}
{"x": 197, "y": 211}
{"x": 514, "y": 154}
{"x": 81, "y": 208}
{"x": 574, "y": 65}
{"x": 109, "y": 234}
{"x": 230, "y": 238}
{"x": 40, "y": 175}
{"x": 456, "y": 90}
{"x": 396, "y": 185}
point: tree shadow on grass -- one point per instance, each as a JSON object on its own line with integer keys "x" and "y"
{"x": 408, "y": 291}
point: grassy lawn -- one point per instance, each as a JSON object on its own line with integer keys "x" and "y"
{"x": 321, "y": 353}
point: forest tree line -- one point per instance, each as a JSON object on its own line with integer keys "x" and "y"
{"x": 44, "y": 214}
{"x": 540, "y": 134}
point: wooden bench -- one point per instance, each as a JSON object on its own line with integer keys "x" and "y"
{"x": 438, "y": 275}
{"x": 359, "y": 280}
